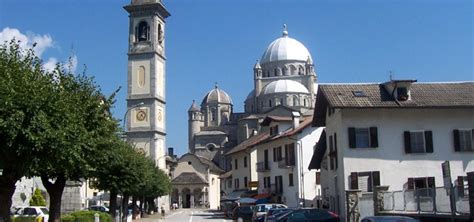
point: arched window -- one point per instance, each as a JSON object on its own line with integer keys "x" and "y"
{"x": 281, "y": 101}
{"x": 142, "y": 31}
{"x": 292, "y": 70}
{"x": 295, "y": 101}
{"x": 304, "y": 102}
{"x": 213, "y": 114}
{"x": 301, "y": 70}
{"x": 141, "y": 76}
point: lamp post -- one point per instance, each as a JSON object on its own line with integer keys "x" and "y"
{"x": 128, "y": 110}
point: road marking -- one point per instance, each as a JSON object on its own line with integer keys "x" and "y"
{"x": 191, "y": 217}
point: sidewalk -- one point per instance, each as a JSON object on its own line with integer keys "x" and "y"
{"x": 149, "y": 218}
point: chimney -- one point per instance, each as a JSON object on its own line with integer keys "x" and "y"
{"x": 171, "y": 151}
{"x": 296, "y": 119}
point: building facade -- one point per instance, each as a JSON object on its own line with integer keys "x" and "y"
{"x": 395, "y": 134}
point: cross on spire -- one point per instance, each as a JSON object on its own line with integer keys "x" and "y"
{"x": 285, "y": 30}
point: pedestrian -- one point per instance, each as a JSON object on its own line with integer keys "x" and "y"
{"x": 163, "y": 210}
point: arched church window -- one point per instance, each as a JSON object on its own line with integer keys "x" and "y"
{"x": 295, "y": 101}
{"x": 292, "y": 70}
{"x": 141, "y": 76}
{"x": 161, "y": 35}
{"x": 213, "y": 114}
{"x": 301, "y": 70}
{"x": 304, "y": 102}
{"x": 142, "y": 31}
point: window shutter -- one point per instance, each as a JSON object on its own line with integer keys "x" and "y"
{"x": 274, "y": 154}
{"x": 352, "y": 137}
{"x": 411, "y": 183}
{"x": 376, "y": 178}
{"x": 431, "y": 182}
{"x": 407, "y": 142}
{"x": 429, "y": 141}
{"x": 457, "y": 141}
{"x": 374, "y": 140}
{"x": 335, "y": 149}
{"x": 354, "y": 181}
{"x": 460, "y": 186}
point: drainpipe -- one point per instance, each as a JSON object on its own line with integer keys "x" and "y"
{"x": 299, "y": 147}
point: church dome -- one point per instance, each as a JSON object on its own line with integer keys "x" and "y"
{"x": 284, "y": 86}
{"x": 217, "y": 96}
{"x": 285, "y": 48}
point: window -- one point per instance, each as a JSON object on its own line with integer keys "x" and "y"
{"x": 363, "y": 137}
{"x": 290, "y": 154}
{"x": 364, "y": 181}
{"x": 278, "y": 184}
{"x": 402, "y": 94}
{"x": 358, "y": 93}
{"x": 463, "y": 140}
{"x": 281, "y": 101}
{"x": 462, "y": 186}
{"x": 274, "y": 130}
{"x": 236, "y": 183}
{"x": 318, "y": 177}
{"x": 418, "y": 141}
{"x": 142, "y": 31}
{"x": 235, "y": 164}
{"x": 265, "y": 159}
{"x": 213, "y": 114}
{"x": 266, "y": 182}
{"x": 245, "y": 182}
{"x": 295, "y": 101}
{"x": 277, "y": 154}
{"x": 269, "y": 103}
{"x": 141, "y": 76}
{"x": 229, "y": 183}
{"x": 421, "y": 184}
{"x": 333, "y": 152}
{"x": 245, "y": 161}
{"x": 290, "y": 179}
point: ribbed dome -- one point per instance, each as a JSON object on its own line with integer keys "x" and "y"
{"x": 284, "y": 86}
{"x": 217, "y": 96}
{"x": 285, "y": 48}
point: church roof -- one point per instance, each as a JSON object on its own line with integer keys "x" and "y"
{"x": 284, "y": 86}
{"x": 188, "y": 178}
{"x": 217, "y": 95}
{"x": 285, "y": 49}
{"x": 212, "y": 166}
{"x": 193, "y": 107}
{"x": 211, "y": 132}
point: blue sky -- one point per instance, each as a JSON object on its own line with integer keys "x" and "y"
{"x": 219, "y": 41}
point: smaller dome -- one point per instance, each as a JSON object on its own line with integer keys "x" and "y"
{"x": 284, "y": 86}
{"x": 251, "y": 95}
{"x": 257, "y": 65}
{"x": 193, "y": 107}
{"x": 217, "y": 96}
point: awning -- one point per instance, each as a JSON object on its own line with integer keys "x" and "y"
{"x": 226, "y": 175}
{"x": 234, "y": 195}
{"x": 246, "y": 200}
{"x": 262, "y": 198}
{"x": 318, "y": 153}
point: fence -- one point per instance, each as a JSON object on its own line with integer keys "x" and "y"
{"x": 426, "y": 200}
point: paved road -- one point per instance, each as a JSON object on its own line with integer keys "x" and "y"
{"x": 192, "y": 215}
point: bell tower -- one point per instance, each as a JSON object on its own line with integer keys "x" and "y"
{"x": 145, "y": 116}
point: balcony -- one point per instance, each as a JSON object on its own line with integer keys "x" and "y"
{"x": 286, "y": 163}
{"x": 263, "y": 166}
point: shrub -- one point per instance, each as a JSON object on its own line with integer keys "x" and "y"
{"x": 84, "y": 216}
{"x": 26, "y": 219}
{"x": 37, "y": 199}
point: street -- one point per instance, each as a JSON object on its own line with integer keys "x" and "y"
{"x": 191, "y": 215}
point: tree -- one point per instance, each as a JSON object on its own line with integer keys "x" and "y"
{"x": 24, "y": 91}
{"x": 37, "y": 199}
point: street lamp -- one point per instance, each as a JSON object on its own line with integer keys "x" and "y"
{"x": 128, "y": 110}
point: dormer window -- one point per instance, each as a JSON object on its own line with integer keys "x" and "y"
{"x": 274, "y": 130}
{"x": 402, "y": 94}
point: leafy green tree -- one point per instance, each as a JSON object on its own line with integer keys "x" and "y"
{"x": 24, "y": 127}
{"x": 37, "y": 199}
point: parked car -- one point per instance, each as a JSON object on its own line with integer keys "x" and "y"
{"x": 99, "y": 208}
{"x": 274, "y": 212}
{"x": 388, "y": 219}
{"x": 35, "y": 211}
{"x": 308, "y": 215}
{"x": 261, "y": 210}
{"x": 243, "y": 213}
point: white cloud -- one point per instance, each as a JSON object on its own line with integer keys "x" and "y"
{"x": 43, "y": 42}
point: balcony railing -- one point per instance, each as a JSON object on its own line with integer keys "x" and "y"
{"x": 286, "y": 163}
{"x": 263, "y": 166}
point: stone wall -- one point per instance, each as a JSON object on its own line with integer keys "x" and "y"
{"x": 71, "y": 199}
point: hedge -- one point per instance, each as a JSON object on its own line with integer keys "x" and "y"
{"x": 27, "y": 219}
{"x": 84, "y": 216}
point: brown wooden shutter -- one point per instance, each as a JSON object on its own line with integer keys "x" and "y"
{"x": 411, "y": 183}
{"x": 429, "y": 141}
{"x": 374, "y": 141}
{"x": 457, "y": 141}
{"x": 335, "y": 149}
{"x": 274, "y": 154}
{"x": 352, "y": 137}
{"x": 407, "y": 142}
{"x": 431, "y": 182}
{"x": 375, "y": 178}
{"x": 354, "y": 181}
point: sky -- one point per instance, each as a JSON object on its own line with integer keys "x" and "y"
{"x": 209, "y": 41}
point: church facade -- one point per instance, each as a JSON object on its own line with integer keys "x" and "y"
{"x": 284, "y": 84}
